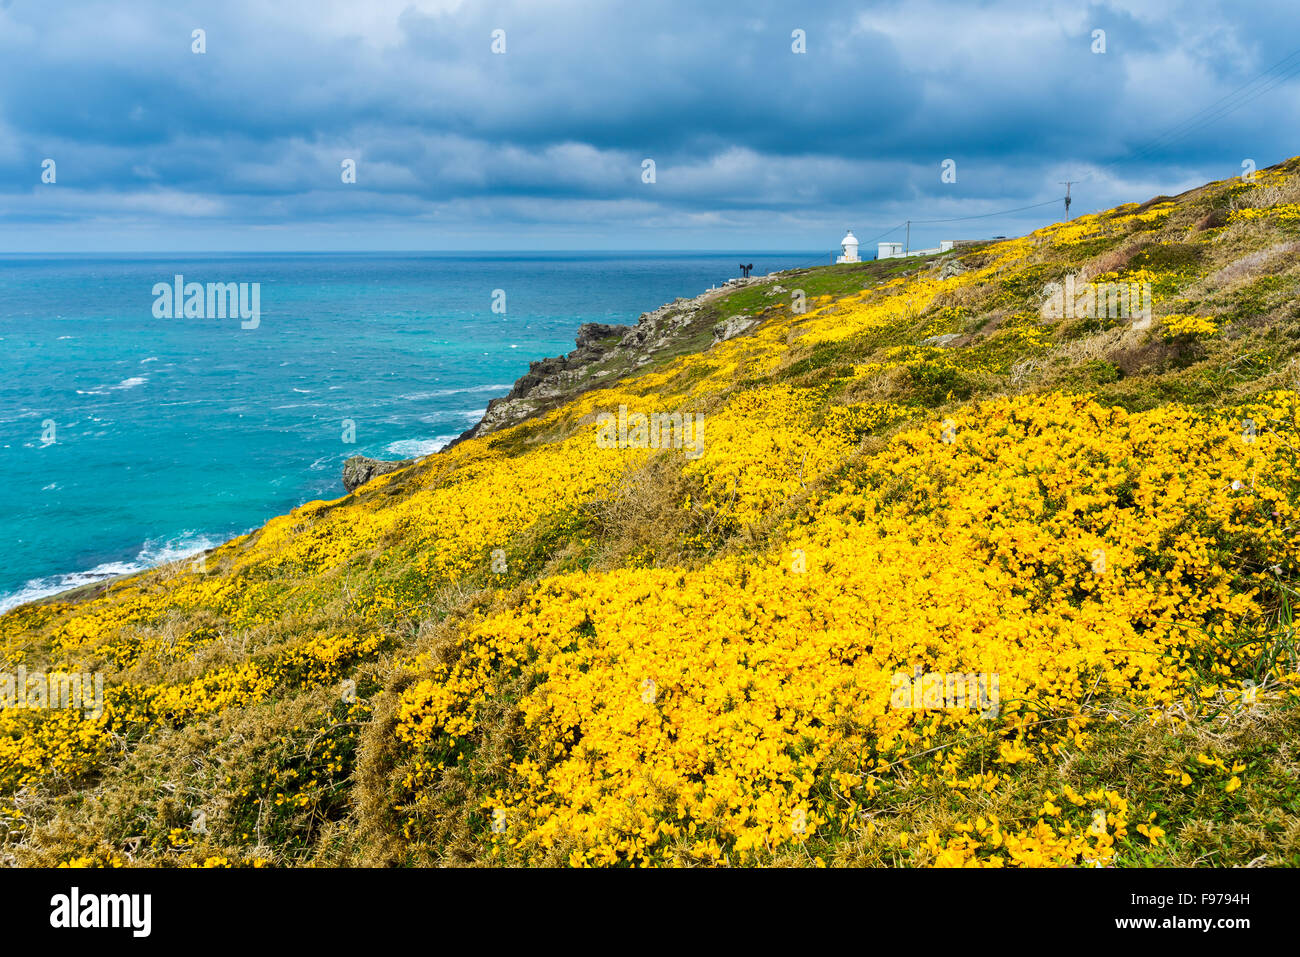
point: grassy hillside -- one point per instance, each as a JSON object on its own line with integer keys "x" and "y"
{"x": 531, "y": 649}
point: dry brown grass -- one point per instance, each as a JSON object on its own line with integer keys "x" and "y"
{"x": 887, "y": 385}
{"x": 1275, "y": 260}
{"x": 642, "y": 517}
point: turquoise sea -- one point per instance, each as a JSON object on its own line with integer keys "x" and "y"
{"x": 128, "y": 440}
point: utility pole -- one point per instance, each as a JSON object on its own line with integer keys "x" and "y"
{"x": 907, "y": 246}
{"x": 1067, "y": 186}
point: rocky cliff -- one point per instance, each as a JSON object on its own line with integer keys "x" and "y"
{"x": 359, "y": 469}
{"x": 603, "y": 353}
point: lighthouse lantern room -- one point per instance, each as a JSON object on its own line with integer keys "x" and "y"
{"x": 850, "y": 245}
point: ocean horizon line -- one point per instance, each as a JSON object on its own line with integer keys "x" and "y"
{"x": 413, "y": 253}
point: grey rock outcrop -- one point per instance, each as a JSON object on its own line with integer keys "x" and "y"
{"x": 943, "y": 341}
{"x": 732, "y": 328}
{"x": 358, "y": 470}
{"x": 603, "y": 351}
{"x": 950, "y": 266}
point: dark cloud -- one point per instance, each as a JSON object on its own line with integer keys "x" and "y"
{"x": 754, "y": 145}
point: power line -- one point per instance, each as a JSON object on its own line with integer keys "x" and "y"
{"x": 1000, "y": 212}
{"x": 1219, "y": 108}
{"x": 1267, "y": 81}
{"x": 813, "y": 262}
{"x": 1280, "y": 72}
{"x": 958, "y": 219}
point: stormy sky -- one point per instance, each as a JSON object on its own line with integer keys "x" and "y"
{"x": 459, "y": 146}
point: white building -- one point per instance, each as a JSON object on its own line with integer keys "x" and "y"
{"x": 896, "y": 251}
{"x": 850, "y": 246}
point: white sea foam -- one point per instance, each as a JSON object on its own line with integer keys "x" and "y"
{"x": 155, "y": 551}
{"x": 131, "y": 383}
{"x": 415, "y": 448}
{"x": 160, "y": 551}
{"x": 443, "y": 393}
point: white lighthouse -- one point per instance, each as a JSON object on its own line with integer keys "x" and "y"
{"x": 850, "y": 245}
